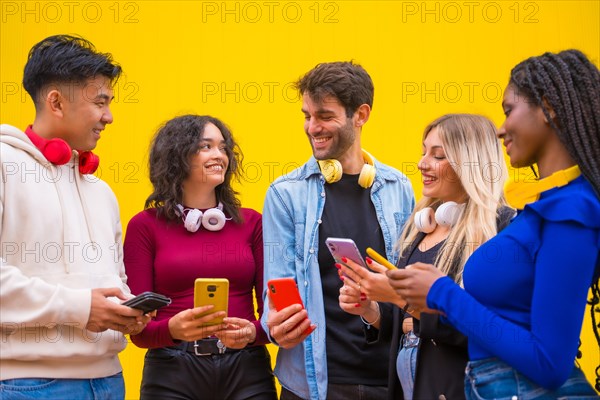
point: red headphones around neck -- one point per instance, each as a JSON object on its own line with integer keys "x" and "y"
{"x": 58, "y": 152}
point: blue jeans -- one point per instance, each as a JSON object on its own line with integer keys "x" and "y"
{"x": 493, "y": 379}
{"x": 109, "y": 388}
{"x": 406, "y": 364}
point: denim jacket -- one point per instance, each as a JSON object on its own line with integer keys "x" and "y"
{"x": 291, "y": 217}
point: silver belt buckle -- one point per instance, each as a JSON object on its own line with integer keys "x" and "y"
{"x": 196, "y": 345}
{"x": 221, "y": 347}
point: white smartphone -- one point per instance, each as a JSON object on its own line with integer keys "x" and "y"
{"x": 343, "y": 247}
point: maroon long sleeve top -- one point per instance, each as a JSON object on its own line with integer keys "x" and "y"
{"x": 163, "y": 257}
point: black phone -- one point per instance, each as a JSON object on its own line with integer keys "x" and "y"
{"x": 148, "y": 302}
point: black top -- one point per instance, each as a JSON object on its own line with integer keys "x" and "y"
{"x": 349, "y": 213}
{"x": 427, "y": 257}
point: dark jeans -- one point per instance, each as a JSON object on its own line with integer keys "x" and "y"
{"x": 345, "y": 392}
{"x": 493, "y": 379}
{"x": 173, "y": 373}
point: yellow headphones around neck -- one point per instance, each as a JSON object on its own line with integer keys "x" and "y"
{"x": 518, "y": 194}
{"x": 332, "y": 170}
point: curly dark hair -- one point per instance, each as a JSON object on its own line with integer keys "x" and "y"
{"x": 172, "y": 148}
{"x": 345, "y": 80}
{"x": 570, "y": 84}
{"x": 65, "y": 59}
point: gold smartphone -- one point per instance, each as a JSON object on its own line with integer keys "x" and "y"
{"x": 380, "y": 259}
{"x": 213, "y": 291}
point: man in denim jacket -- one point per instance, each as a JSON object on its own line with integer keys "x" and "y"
{"x": 346, "y": 355}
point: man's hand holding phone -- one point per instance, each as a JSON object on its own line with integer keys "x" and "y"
{"x": 290, "y": 326}
{"x": 287, "y": 319}
{"x": 106, "y": 314}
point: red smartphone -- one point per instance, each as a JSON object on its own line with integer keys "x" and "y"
{"x": 284, "y": 292}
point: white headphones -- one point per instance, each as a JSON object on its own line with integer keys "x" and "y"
{"x": 426, "y": 220}
{"x": 212, "y": 219}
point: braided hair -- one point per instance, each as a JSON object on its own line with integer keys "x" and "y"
{"x": 569, "y": 84}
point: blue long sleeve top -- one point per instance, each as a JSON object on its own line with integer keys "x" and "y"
{"x": 525, "y": 290}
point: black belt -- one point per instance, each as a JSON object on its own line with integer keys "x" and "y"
{"x": 206, "y": 347}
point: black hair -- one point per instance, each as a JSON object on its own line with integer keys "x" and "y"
{"x": 63, "y": 59}
{"x": 568, "y": 84}
{"x": 172, "y": 148}
{"x": 346, "y": 81}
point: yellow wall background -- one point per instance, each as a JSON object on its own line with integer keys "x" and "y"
{"x": 236, "y": 60}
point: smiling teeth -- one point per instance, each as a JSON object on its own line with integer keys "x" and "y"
{"x": 320, "y": 140}
{"x": 215, "y": 167}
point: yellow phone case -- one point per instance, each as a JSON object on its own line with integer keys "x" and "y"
{"x": 213, "y": 291}
{"x": 380, "y": 259}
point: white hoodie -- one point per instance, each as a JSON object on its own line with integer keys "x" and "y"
{"x": 60, "y": 237}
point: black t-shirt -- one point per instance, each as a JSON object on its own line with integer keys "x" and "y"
{"x": 349, "y": 213}
{"x": 427, "y": 257}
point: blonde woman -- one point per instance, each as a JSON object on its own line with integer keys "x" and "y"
{"x": 462, "y": 207}
{"x": 525, "y": 290}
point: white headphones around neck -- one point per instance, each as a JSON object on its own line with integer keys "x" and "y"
{"x": 212, "y": 219}
{"x": 426, "y": 220}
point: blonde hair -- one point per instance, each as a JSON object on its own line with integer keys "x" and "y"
{"x": 475, "y": 154}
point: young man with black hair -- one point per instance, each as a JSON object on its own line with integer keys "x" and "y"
{"x": 62, "y": 277}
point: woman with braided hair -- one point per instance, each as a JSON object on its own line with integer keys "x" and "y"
{"x": 525, "y": 290}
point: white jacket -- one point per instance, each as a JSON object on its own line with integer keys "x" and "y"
{"x": 60, "y": 237}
